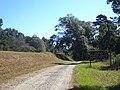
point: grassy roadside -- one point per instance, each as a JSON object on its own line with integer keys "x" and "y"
{"x": 95, "y": 79}
{"x": 13, "y": 64}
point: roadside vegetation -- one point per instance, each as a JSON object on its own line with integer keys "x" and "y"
{"x": 13, "y": 64}
{"x": 96, "y": 78}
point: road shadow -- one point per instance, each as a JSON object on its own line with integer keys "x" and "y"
{"x": 116, "y": 87}
{"x": 86, "y": 87}
{"x": 110, "y": 68}
{"x": 72, "y": 63}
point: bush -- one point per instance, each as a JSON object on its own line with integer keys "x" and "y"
{"x": 38, "y": 44}
{"x": 26, "y": 48}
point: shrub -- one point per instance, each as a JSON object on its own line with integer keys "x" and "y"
{"x": 26, "y": 48}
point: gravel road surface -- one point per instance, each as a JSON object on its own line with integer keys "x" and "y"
{"x": 53, "y": 78}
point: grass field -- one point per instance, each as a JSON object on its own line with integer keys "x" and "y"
{"x": 13, "y": 64}
{"x": 96, "y": 79}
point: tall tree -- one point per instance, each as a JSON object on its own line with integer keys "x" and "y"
{"x": 16, "y": 39}
{"x": 115, "y": 5}
{"x": 4, "y": 39}
{"x": 1, "y": 23}
{"x": 106, "y": 33}
{"x": 72, "y": 36}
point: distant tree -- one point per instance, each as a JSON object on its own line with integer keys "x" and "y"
{"x": 1, "y": 23}
{"x": 16, "y": 39}
{"x": 52, "y": 44}
{"x": 3, "y": 38}
{"x": 47, "y": 45}
{"x": 28, "y": 39}
{"x": 11, "y": 39}
{"x": 38, "y": 44}
{"x": 4, "y": 41}
{"x": 34, "y": 36}
{"x": 27, "y": 48}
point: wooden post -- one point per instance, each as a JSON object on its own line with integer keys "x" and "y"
{"x": 110, "y": 60}
{"x": 90, "y": 63}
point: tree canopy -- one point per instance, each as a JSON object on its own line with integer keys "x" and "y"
{"x": 107, "y": 32}
{"x": 72, "y": 36}
{"x": 115, "y": 5}
{"x": 12, "y": 40}
{"x": 1, "y": 23}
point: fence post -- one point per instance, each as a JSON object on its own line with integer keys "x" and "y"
{"x": 90, "y": 63}
{"x": 110, "y": 59}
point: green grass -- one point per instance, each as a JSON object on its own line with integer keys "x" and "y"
{"x": 95, "y": 79}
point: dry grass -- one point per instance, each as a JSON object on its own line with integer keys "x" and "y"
{"x": 13, "y": 64}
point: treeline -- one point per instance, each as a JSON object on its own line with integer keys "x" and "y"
{"x": 12, "y": 40}
{"x": 74, "y": 38}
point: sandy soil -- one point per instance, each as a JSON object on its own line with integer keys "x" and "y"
{"x": 53, "y": 78}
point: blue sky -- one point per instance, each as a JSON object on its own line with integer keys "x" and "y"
{"x": 40, "y": 16}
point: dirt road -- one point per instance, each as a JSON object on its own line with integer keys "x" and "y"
{"x": 54, "y": 78}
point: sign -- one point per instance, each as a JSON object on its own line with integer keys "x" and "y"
{"x": 98, "y": 55}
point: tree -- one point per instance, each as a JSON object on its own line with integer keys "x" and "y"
{"x": 3, "y": 38}
{"x": 47, "y": 44}
{"x": 28, "y": 39}
{"x": 52, "y": 43}
{"x": 11, "y": 39}
{"x": 72, "y": 36}
{"x": 27, "y": 48}
{"x": 38, "y": 44}
{"x": 118, "y": 45}
{"x": 4, "y": 41}
{"x": 115, "y": 5}
{"x": 16, "y": 39}
{"x": 107, "y": 32}
{"x": 1, "y": 23}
